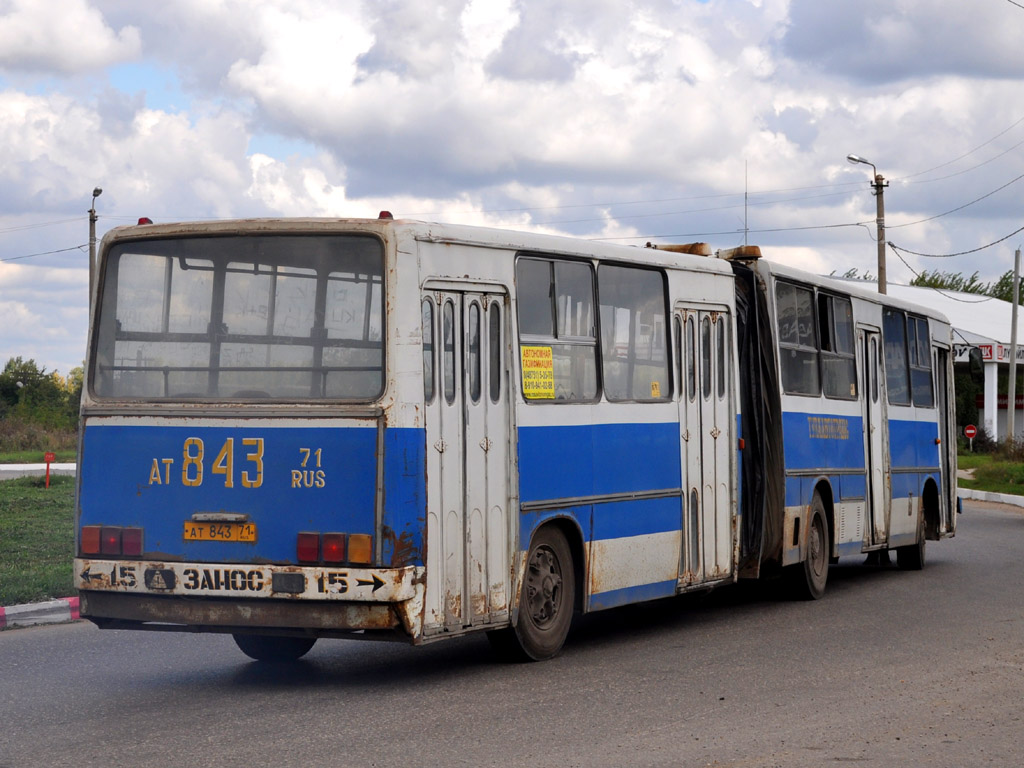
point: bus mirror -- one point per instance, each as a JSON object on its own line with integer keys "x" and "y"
{"x": 975, "y": 363}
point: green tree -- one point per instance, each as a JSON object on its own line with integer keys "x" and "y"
{"x": 952, "y": 281}
{"x": 31, "y": 394}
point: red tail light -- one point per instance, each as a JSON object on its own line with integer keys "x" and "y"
{"x": 308, "y": 548}
{"x": 131, "y": 542}
{"x": 110, "y": 540}
{"x": 334, "y": 547}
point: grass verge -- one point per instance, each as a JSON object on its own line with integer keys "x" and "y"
{"x": 36, "y": 539}
{"x": 993, "y": 473}
{"x": 64, "y": 456}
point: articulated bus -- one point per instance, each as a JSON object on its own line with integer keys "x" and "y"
{"x": 379, "y": 428}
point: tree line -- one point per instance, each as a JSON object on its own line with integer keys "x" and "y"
{"x": 38, "y": 408}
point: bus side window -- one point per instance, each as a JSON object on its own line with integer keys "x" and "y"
{"x": 677, "y": 324}
{"x": 705, "y": 358}
{"x": 691, "y": 358}
{"x": 838, "y": 363}
{"x": 557, "y": 328}
{"x": 494, "y": 350}
{"x": 428, "y": 350}
{"x": 448, "y": 341}
{"x": 722, "y": 334}
{"x": 798, "y": 343}
{"x": 894, "y": 350}
{"x": 920, "y": 362}
{"x": 473, "y": 352}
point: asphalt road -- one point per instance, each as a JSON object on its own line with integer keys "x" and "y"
{"x": 890, "y": 668}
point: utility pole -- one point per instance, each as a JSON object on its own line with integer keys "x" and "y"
{"x": 1011, "y": 392}
{"x": 878, "y": 184}
{"x": 92, "y": 245}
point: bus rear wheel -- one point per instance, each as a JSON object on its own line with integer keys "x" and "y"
{"x": 808, "y": 578}
{"x": 546, "y": 601}
{"x": 911, "y": 558}
{"x": 273, "y": 648}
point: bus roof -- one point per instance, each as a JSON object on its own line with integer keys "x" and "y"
{"x": 486, "y": 237}
{"x": 862, "y": 290}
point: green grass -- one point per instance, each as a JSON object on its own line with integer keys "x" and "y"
{"x": 36, "y": 539}
{"x": 993, "y": 473}
{"x": 65, "y": 456}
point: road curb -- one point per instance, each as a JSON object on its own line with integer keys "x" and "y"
{"x": 998, "y": 498}
{"x": 51, "y": 612}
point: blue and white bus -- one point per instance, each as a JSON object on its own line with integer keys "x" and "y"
{"x": 307, "y": 428}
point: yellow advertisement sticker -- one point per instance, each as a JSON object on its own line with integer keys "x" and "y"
{"x": 538, "y": 373}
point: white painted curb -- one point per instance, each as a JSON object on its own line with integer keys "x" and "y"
{"x": 50, "y": 612}
{"x": 998, "y": 498}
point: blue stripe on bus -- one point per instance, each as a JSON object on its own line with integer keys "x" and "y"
{"x": 593, "y": 460}
{"x": 912, "y": 444}
{"x": 405, "y": 503}
{"x": 822, "y": 441}
{"x": 126, "y": 482}
{"x": 616, "y": 597}
{"x": 610, "y": 520}
{"x": 636, "y": 518}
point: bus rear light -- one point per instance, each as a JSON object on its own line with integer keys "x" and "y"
{"x": 333, "y": 546}
{"x": 110, "y": 540}
{"x": 360, "y": 548}
{"x": 308, "y": 548}
{"x": 131, "y": 542}
{"x": 355, "y": 548}
{"x": 90, "y": 540}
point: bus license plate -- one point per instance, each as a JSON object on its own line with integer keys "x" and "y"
{"x": 220, "y": 531}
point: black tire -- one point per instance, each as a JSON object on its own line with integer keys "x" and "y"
{"x": 546, "y": 601}
{"x": 808, "y": 578}
{"x": 911, "y": 557}
{"x": 273, "y": 648}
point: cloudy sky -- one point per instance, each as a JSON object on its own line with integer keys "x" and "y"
{"x": 622, "y": 120}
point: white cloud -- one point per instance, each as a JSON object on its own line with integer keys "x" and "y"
{"x": 71, "y": 38}
{"x": 602, "y": 118}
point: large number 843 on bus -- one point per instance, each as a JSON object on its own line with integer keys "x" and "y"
{"x": 295, "y": 429}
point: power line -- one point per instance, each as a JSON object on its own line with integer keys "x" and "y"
{"x": 46, "y": 253}
{"x": 897, "y": 248}
{"x": 40, "y": 225}
{"x": 960, "y": 208}
{"x": 966, "y": 154}
{"x": 934, "y": 288}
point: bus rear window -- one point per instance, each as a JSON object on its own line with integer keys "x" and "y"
{"x": 287, "y": 317}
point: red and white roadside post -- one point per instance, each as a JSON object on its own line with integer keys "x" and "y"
{"x": 49, "y": 457}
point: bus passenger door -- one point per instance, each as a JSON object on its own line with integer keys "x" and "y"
{"x": 876, "y": 438}
{"x": 706, "y": 436}
{"x": 467, "y": 457}
{"x": 487, "y": 458}
{"x": 947, "y": 444}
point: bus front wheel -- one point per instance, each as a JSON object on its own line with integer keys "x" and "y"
{"x": 272, "y": 648}
{"x": 809, "y": 577}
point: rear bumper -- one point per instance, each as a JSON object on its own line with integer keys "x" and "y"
{"x": 246, "y": 598}
{"x": 379, "y": 585}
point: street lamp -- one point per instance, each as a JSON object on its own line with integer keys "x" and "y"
{"x": 878, "y": 185}
{"x": 92, "y": 243}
